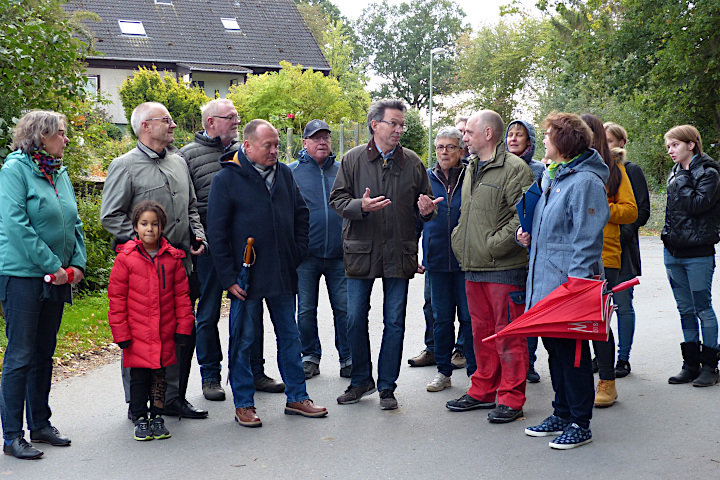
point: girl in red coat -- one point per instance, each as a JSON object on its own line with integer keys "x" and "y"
{"x": 149, "y": 311}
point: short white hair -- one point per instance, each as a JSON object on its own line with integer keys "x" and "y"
{"x": 140, "y": 114}
{"x": 211, "y": 109}
{"x": 451, "y": 132}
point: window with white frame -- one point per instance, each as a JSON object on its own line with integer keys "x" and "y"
{"x": 132, "y": 27}
{"x": 230, "y": 23}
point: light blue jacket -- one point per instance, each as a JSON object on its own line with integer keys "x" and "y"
{"x": 567, "y": 233}
{"x": 40, "y": 229}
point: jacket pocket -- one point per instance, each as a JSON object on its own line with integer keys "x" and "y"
{"x": 357, "y": 257}
{"x": 409, "y": 258}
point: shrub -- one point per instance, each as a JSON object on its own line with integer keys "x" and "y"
{"x": 98, "y": 241}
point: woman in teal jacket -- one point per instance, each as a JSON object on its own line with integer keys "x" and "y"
{"x": 40, "y": 233}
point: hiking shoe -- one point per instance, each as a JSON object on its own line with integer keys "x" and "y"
{"x": 346, "y": 371}
{"x": 20, "y": 448}
{"x": 532, "y": 376}
{"x": 466, "y": 402}
{"x": 157, "y": 427}
{"x": 622, "y": 368}
{"x": 388, "y": 400}
{"x": 552, "y": 425}
{"x": 354, "y": 394}
{"x": 266, "y": 384}
{"x": 311, "y": 369}
{"x": 606, "y": 393}
{"x": 573, "y": 436}
{"x": 504, "y": 414}
{"x": 425, "y": 359}
{"x": 213, "y": 391}
{"x": 439, "y": 383}
{"x": 458, "y": 359}
{"x": 142, "y": 430}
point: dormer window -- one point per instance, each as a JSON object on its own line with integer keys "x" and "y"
{"x": 164, "y": 2}
{"x": 131, "y": 27}
{"x": 230, "y": 23}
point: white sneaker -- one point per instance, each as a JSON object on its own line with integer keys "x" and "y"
{"x": 440, "y": 382}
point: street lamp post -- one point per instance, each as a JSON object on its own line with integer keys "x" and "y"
{"x": 430, "y": 132}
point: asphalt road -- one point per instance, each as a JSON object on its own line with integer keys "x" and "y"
{"x": 655, "y": 430}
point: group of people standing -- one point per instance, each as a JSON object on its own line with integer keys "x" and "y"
{"x": 181, "y": 221}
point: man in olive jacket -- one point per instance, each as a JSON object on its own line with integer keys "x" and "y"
{"x": 495, "y": 268}
{"x": 380, "y": 190}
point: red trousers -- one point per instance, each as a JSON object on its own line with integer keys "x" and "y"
{"x": 502, "y": 363}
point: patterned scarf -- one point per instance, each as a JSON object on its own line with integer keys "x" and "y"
{"x": 48, "y": 165}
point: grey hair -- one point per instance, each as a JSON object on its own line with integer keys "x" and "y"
{"x": 461, "y": 118}
{"x": 377, "y": 110}
{"x": 451, "y": 132}
{"x": 250, "y": 130}
{"x": 28, "y": 133}
{"x": 212, "y": 107}
{"x": 140, "y": 114}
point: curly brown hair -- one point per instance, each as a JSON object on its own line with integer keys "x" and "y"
{"x": 568, "y": 133}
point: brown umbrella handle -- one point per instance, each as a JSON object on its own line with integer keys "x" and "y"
{"x": 249, "y": 250}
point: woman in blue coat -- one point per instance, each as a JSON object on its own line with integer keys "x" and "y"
{"x": 40, "y": 233}
{"x": 567, "y": 241}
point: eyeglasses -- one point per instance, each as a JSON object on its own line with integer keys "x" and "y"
{"x": 323, "y": 138}
{"x": 167, "y": 120}
{"x": 232, "y": 118}
{"x": 395, "y": 126}
{"x": 446, "y": 148}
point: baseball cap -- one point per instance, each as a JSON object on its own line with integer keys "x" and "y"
{"x": 315, "y": 126}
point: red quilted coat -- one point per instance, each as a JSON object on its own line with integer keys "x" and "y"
{"x": 149, "y": 303}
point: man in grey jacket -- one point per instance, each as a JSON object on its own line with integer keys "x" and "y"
{"x": 380, "y": 190}
{"x": 154, "y": 171}
{"x": 220, "y": 122}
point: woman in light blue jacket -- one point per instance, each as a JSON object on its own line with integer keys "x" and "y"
{"x": 40, "y": 233}
{"x": 567, "y": 241}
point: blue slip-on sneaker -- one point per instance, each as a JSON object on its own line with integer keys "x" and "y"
{"x": 552, "y": 425}
{"x": 573, "y": 436}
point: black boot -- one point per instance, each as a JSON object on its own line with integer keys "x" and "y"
{"x": 691, "y": 365}
{"x": 709, "y": 371}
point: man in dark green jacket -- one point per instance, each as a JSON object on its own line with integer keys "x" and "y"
{"x": 380, "y": 190}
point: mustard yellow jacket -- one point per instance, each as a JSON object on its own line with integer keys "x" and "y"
{"x": 623, "y": 210}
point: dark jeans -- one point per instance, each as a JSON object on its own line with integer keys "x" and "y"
{"x": 141, "y": 383}
{"x": 394, "y": 306}
{"x": 574, "y": 387}
{"x": 430, "y": 322}
{"x": 31, "y": 327}
{"x": 282, "y": 315}
{"x": 448, "y": 296}
{"x": 532, "y": 348}
{"x": 309, "y": 273}
{"x": 605, "y": 351}
{"x": 208, "y": 348}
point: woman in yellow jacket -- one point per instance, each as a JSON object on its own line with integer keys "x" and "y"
{"x": 623, "y": 209}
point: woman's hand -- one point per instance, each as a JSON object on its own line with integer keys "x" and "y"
{"x": 61, "y": 277}
{"x": 523, "y": 238}
{"x": 77, "y": 275}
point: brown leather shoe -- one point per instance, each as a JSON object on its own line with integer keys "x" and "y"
{"x": 306, "y": 408}
{"x": 247, "y": 417}
{"x": 425, "y": 359}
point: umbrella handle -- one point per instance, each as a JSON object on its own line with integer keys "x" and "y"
{"x": 625, "y": 285}
{"x": 487, "y": 339}
{"x": 249, "y": 250}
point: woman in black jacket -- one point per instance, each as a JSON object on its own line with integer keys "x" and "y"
{"x": 690, "y": 234}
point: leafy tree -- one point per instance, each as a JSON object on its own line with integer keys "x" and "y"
{"x": 416, "y": 136}
{"x": 292, "y": 97}
{"x": 398, "y": 39}
{"x": 41, "y": 59}
{"x": 182, "y": 101}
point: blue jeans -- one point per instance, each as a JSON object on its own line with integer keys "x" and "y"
{"x": 691, "y": 283}
{"x": 448, "y": 296}
{"x": 282, "y": 314}
{"x": 309, "y": 273}
{"x": 430, "y": 322}
{"x": 31, "y": 327}
{"x": 394, "y": 304}
{"x": 208, "y": 348}
{"x": 625, "y": 318}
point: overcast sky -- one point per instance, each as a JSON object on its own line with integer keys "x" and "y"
{"x": 477, "y": 12}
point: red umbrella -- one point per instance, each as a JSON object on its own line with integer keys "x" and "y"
{"x": 579, "y": 308}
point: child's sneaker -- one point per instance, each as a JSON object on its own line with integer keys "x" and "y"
{"x": 142, "y": 430}
{"x": 573, "y": 436}
{"x": 552, "y": 425}
{"x": 157, "y": 427}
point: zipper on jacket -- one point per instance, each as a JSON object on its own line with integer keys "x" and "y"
{"x": 325, "y": 204}
{"x": 163, "y": 276}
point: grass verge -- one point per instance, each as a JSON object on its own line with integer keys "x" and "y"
{"x": 84, "y": 328}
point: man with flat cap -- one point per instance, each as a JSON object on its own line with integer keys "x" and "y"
{"x": 315, "y": 171}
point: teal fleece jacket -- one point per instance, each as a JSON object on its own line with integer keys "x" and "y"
{"x": 40, "y": 229}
